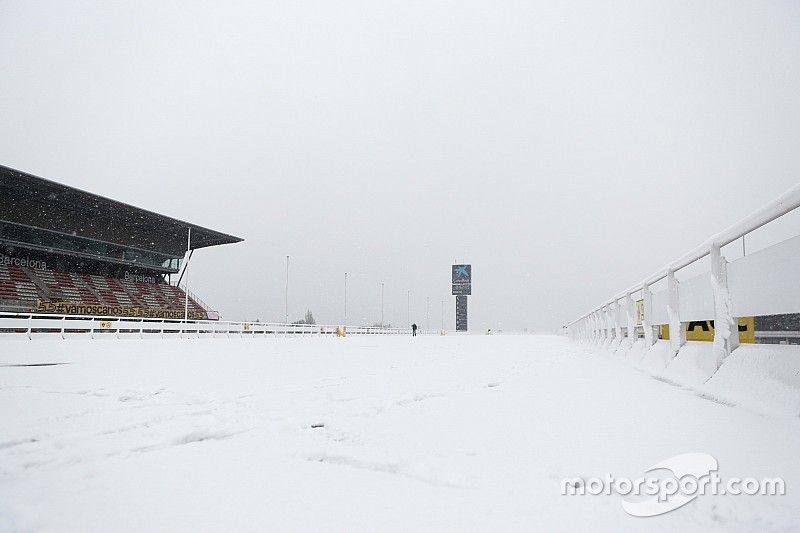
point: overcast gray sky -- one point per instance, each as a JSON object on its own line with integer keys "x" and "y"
{"x": 565, "y": 149}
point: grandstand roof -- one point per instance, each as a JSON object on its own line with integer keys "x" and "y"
{"x": 42, "y": 203}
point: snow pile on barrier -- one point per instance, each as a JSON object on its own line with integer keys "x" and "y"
{"x": 693, "y": 365}
{"x": 765, "y": 377}
{"x": 761, "y": 377}
{"x": 636, "y": 352}
{"x": 657, "y": 358}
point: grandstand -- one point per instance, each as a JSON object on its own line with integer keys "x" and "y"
{"x": 68, "y": 251}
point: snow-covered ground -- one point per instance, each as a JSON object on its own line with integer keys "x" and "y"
{"x": 458, "y": 433}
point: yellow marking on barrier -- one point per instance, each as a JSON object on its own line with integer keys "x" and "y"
{"x": 703, "y": 330}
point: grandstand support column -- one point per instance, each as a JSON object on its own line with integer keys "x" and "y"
{"x": 186, "y": 271}
{"x": 646, "y": 325}
{"x": 677, "y": 336}
{"x": 726, "y": 329}
{"x": 609, "y": 324}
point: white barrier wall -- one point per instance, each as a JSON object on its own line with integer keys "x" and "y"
{"x": 766, "y": 282}
{"x": 658, "y": 308}
{"x": 695, "y": 298}
{"x": 763, "y": 283}
{"x": 37, "y": 325}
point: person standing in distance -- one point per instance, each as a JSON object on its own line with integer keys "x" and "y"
{"x": 413, "y": 330}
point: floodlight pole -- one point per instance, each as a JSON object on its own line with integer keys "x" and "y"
{"x": 286, "y": 308}
{"x": 345, "y": 299}
{"x": 408, "y": 307}
{"x": 427, "y": 312}
{"x": 381, "y": 304}
{"x": 442, "y": 314}
{"x": 186, "y": 273}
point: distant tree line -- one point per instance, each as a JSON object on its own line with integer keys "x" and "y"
{"x": 309, "y": 319}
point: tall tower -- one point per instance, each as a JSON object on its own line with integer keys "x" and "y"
{"x": 462, "y": 287}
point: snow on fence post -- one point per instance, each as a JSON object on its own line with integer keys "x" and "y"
{"x": 646, "y": 307}
{"x": 617, "y": 326}
{"x": 598, "y": 327}
{"x": 677, "y": 337}
{"x": 598, "y": 320}
{"x": 588, "y": 325}
{"x": 726, "y": 329}
{"x": 629, "y": 311}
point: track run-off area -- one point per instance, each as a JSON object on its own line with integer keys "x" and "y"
{"x": 455, "y": 433}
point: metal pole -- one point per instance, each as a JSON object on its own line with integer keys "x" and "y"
{"x": 345, "y": 299}
{"x": 186, "y": 273}
{"x": 381, "y": 304}
{"x": 428, "y": 312}
{"x": 744, "y": 251}
{"x": 408, "y": 307}
{"x": 286, "y": 309}
{"x": 442, "y": 315}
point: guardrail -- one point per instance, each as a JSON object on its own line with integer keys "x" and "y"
{"x": 763, "y": 283}
{"x": 31, "y": 325}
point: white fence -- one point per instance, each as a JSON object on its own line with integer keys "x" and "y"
{"x": 763, "y": 283}
{"x": 32, "y": 326}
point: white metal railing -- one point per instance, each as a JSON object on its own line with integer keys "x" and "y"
{"x": 759, "y": 284}
{"x": 196, "y": 299}
{"x": 32, "y": 325}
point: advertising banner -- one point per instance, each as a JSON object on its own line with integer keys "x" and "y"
{"x": 461, "y": 313}
{"x": 69, "y": 308}
{"x": 462, "y": 279}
